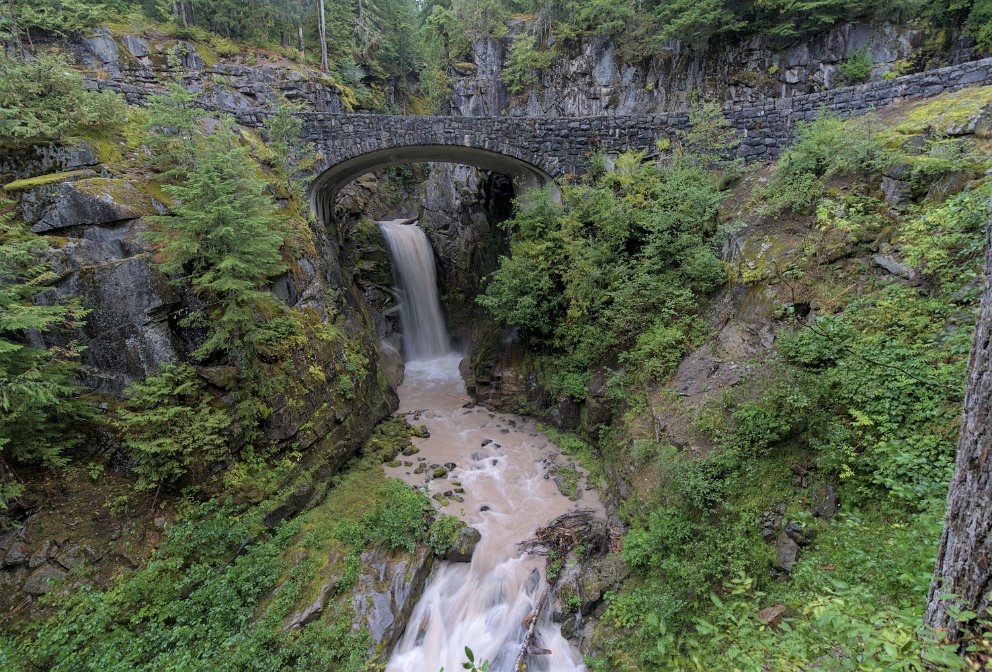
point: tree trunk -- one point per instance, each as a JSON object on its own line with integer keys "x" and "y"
{"x": 183, "y": 18}
{"x": 323, "y": 38}
{"x": 15, "y": 30}
{"x": 964, "y": 561}
{"x": 302, "y": 45}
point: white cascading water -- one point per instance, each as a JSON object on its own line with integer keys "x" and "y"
{"x": 500, "y": 466}
{"x": 424, "y": 335}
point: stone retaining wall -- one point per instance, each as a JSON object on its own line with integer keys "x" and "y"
{"x": 562, "y": 145}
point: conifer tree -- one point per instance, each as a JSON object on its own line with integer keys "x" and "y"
{"x": 39, "y": 402}
{"x": 171, "y": 427}
{"x": 171, "y": 125}
{"x": 224, "y": 241}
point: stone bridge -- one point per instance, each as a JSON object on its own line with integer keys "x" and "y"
{"x": 538, "y": 150}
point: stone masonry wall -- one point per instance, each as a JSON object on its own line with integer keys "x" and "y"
{"x": 562, "y": 145}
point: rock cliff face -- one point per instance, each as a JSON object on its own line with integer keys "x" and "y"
{"x": 138, "y": 67}
{"x": 590, "y": 75}
{"x": 461, "y": 211}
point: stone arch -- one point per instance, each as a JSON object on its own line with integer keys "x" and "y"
{"x": 336, "y": 175}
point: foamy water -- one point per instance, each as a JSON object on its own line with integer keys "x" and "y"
{"x": 500, "y": 475}
{"x": 481, "y": 604}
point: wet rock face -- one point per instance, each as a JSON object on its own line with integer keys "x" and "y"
{"x": 461, "y": 210}
{"x": 386, "y": 593}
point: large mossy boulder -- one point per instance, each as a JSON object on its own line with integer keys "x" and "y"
{"x": 92, "y": 201}
{"x": 463, "y": 548}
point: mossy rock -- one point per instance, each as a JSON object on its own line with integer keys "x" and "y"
{"x": 42, "y": 180}
{"x": 463, "y": 548}
{"x": 960, "y": 113}
{"x": 94, "y": 201}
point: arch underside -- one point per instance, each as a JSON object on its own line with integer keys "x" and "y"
{"x": 325, "y": 187}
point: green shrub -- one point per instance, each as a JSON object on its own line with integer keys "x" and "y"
{"x": 443, "y": 533}
{"x": 857, "y": 67}
{"x": 172, "y": 427}
{"x": 43, "y": 99}
{"x": 946, "y": 242}
{"x": 824, "y": 148}
{"x": 583, "y": 275}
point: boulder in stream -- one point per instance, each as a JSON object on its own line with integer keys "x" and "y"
{"x": 464, "y": 546}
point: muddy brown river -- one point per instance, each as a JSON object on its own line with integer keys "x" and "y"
{"x": 499, "y": 485}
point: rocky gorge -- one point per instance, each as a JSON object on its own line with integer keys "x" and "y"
{"x": 330, "y": 425}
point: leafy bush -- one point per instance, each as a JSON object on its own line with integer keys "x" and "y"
{"x": 582, "y": 275}
{"x": 824, "y": 148}
{"x": 443, "y": 533}
{"x": 171, "y": 426}
{"x": 43, "y": 99}
{"x": 857, "y": 67}
{"x": 946, "y": 242}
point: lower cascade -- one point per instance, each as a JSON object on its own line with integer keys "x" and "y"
{"x": 489, "y": 470}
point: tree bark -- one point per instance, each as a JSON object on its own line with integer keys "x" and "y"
{"x": 299, "y": 29}
{"x": 964, "y": 561}
{"x": 323, "y": 38}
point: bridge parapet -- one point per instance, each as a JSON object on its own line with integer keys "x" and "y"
{"x": 537, "y": 149}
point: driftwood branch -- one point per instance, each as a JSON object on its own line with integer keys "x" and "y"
{"x": 560, "y": 536}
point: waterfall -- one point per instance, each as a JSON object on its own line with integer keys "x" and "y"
{"x": 424, "y": 333}
{"x": 498, "y": 483}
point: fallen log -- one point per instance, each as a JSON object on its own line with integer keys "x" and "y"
{"x": 520, "y": 664}
{"x": 559, "y": 536}
{"x": 569, "y": 530}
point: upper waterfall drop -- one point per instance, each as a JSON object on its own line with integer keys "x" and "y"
{"x": 424, "y": 333}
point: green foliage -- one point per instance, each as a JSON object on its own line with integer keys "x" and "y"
{"x": 946, "y": 243}
{"x": 711, "y": 137}
{"x": 43, "y": 99}
{"x": 171, "y": 427}
{"x": 443, "y": 533}
{"x": 824, "y": 148}
{"x": 220, "y": 587}
{"x": 857, "y": 67}
{"x": 866, "y": 397}
{"x": 194, "y": 606}
{"x": 471, "y": 665}
{"x": 223, "y": 240}
{"x": 40, "y": 408}
{"x": 979, "y": 24}
{"x": 64, "y": 17}
{"x": 524, "y": 63}
{"x": 172, "y": 125}
{"x": 583, "y": 275}
{"x": 282, "y": 130}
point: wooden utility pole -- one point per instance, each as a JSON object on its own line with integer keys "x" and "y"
{"x": 964, "y": 561}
